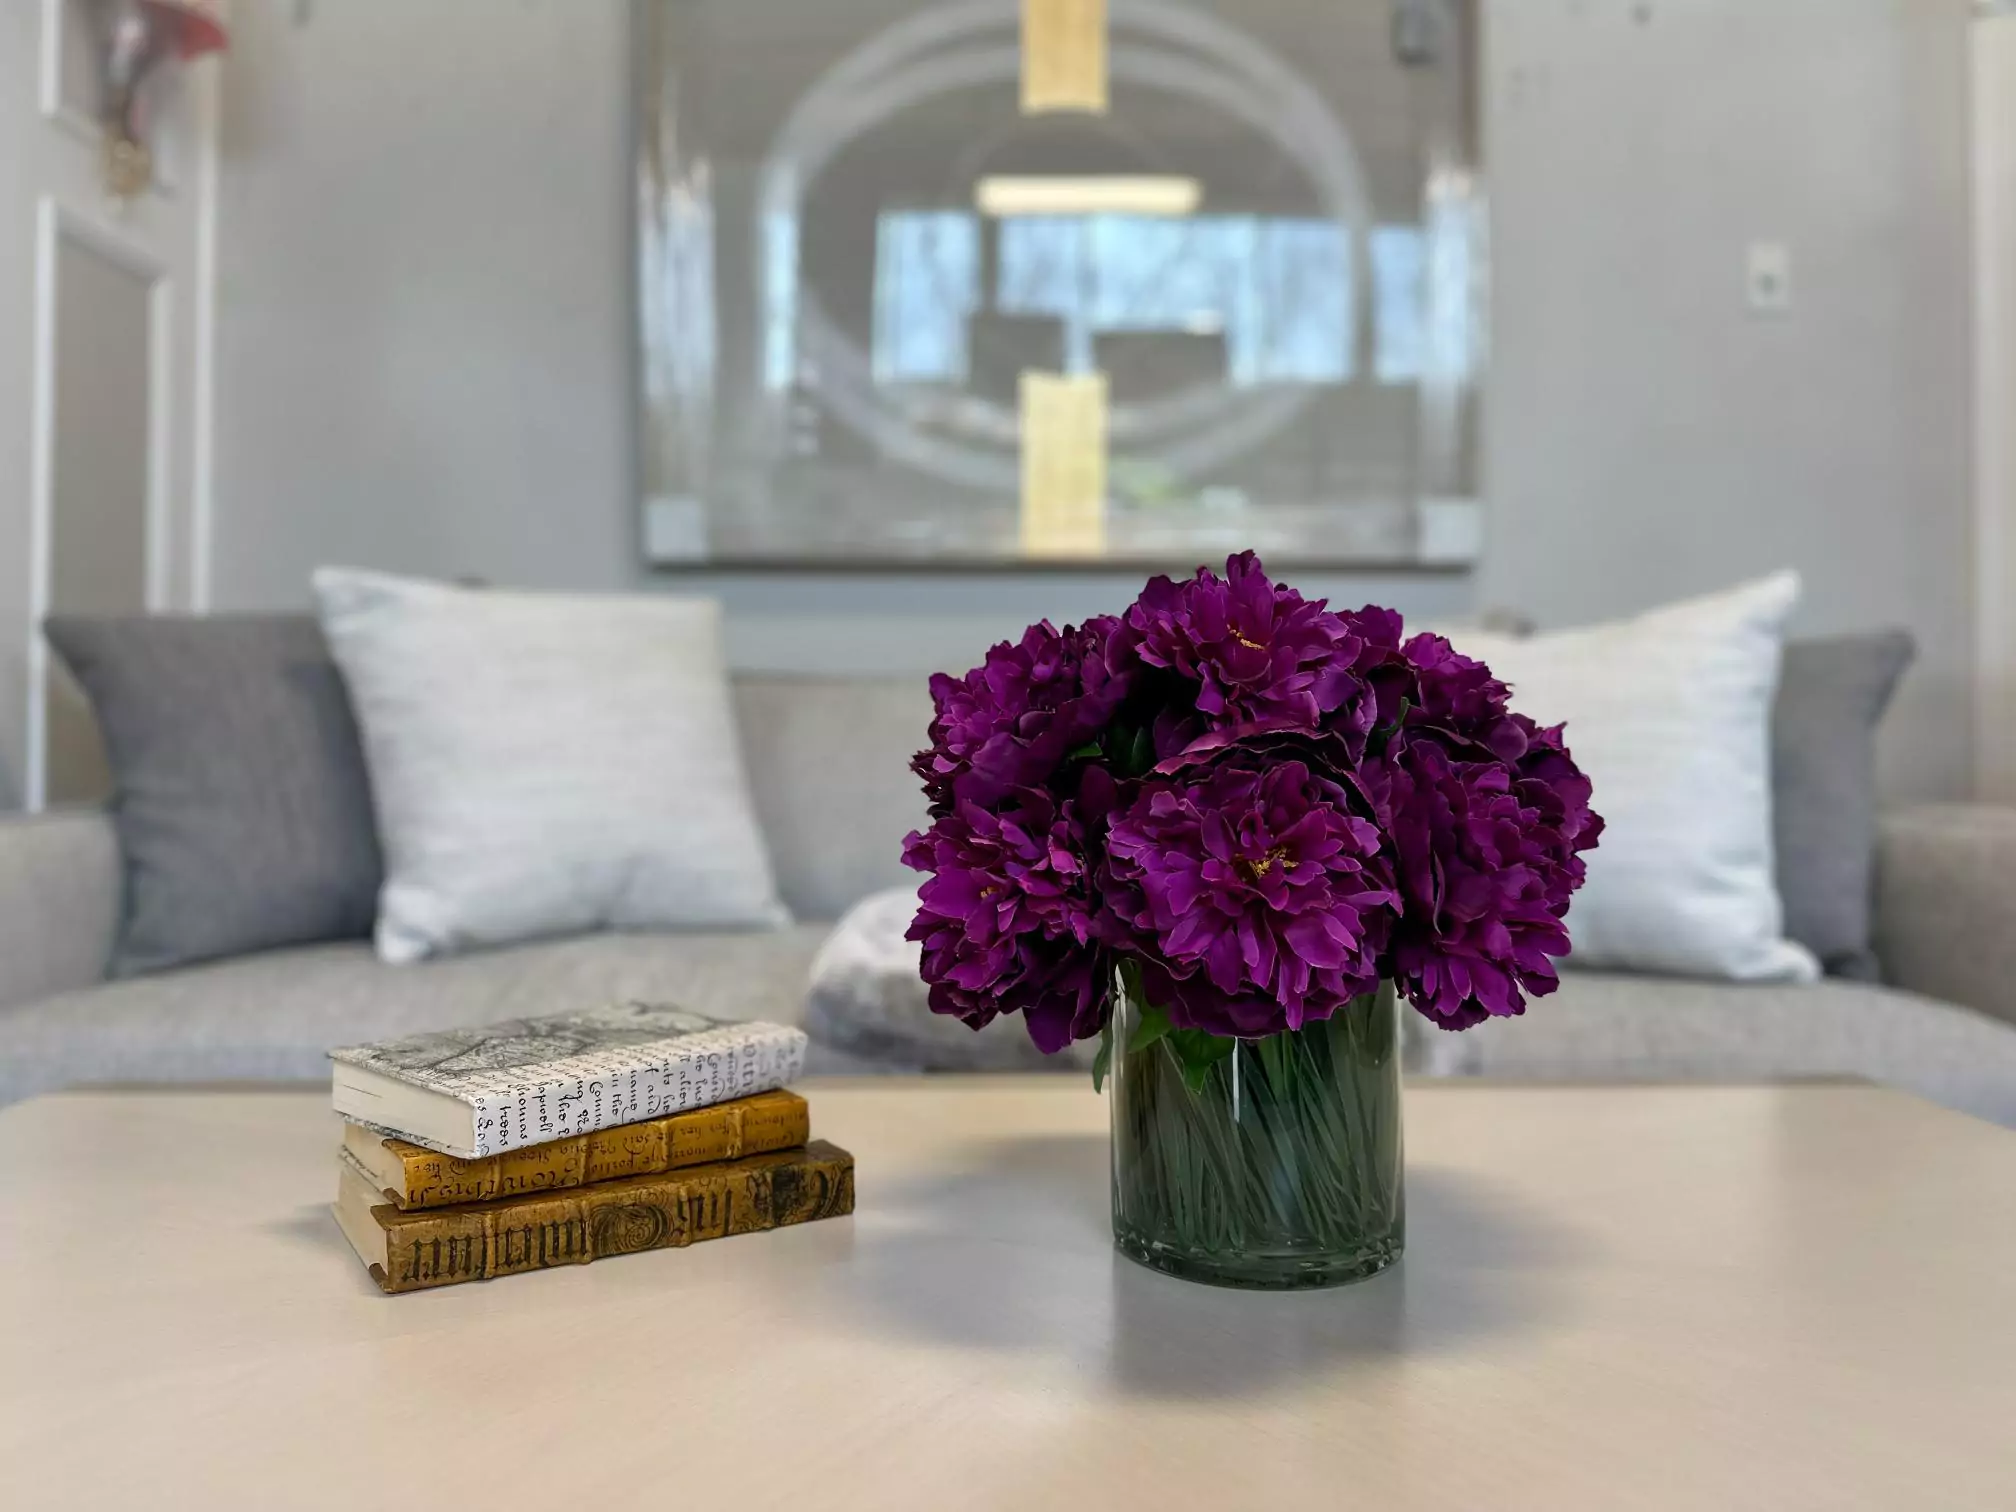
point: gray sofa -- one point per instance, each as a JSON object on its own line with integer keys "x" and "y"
{"x": 827, "y": 763}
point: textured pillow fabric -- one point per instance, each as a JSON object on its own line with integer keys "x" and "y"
{"x": 546, "y": 765}
{"x": 1831, "y": 696}
{"x": 867, "y": 998}
{"x": 829, "y": 763}
{"x": 243, "y": 814}
{"x": 1669, "y": 714}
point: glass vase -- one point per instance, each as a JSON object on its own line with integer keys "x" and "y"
{"x": 1276, "y": 1167}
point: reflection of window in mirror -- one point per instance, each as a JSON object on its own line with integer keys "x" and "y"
{"x": 1396, "y": 303}
{"x": 1275, "y": 290}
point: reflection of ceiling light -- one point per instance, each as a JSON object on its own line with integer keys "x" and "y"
{"x": 1001, "y": 194}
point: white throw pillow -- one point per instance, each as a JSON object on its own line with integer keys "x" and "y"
{"x": 1670, "y": 715}
{"x": 545, "y": 765}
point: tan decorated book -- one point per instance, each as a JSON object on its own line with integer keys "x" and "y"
{"x": 413, "y": 1177}
{"x": 481, "y": 1240}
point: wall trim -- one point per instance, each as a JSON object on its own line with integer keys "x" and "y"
{"x": 41, "y": 506}
{"x": 55, "y": 24}
{"x": 56, "y": 222}
{"x": 203, "y": 378}
{"x": 1992, "y": 83}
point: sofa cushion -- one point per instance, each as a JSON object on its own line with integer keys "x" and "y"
{"x": 1669, "y": 713}
{"x": 243, "y": 813}
{"x": 1946, "y": 893}
{"x": 829, "y": 764}
{"x": 865, "y": 998}
{"x": 271, "y": 1017}
{"x": 1605, "y": 1026}
{"x": 544, "y": 764}
{"x": 59, "y": 901}
{"x": 1831, "y": 696}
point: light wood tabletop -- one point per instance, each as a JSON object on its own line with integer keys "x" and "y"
{"x": 1613, "y": 1298}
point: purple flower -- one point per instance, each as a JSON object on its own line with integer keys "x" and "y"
{"x": 1010, "y": 722}
{"x": 1427, "y": 683}
{"x": 1457, "y": 696}
{"x": 1264, "y": 806}
{"x": 1260, "y": 654}
{"x": 1007, "y": 918}
{"x": 1259, "y": 897}
{"x": 1487, "y": 853}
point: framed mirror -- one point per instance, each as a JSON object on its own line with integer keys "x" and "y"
{"x": 1001, "y": 283}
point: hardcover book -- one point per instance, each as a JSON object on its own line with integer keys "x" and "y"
{"x": 478, "y": 1241}
{"x": 413, "y": 1177}
{"x": 477, "y": 1092}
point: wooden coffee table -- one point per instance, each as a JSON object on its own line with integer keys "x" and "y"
{"x": 1707, "y": 1297}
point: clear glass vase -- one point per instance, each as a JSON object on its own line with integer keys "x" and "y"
{"x": 1277, "y": 1167}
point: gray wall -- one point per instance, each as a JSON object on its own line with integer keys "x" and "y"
{"x": 423, "y": 352}
{"x": 1649, "y": 436}
{"x": 423, "y": 277}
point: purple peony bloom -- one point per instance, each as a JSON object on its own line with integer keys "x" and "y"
{"x": 1006, "y": 920}
{"x": 1487, "y": 854}
{"x": 1260, "y": 894}
{"x": 1263, "y": 806}
{"x": 1010, "y": 722}
{"x": 1261, "y": 655}
{"x": 1457, "y": 696}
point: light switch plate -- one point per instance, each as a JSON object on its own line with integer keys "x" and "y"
{"x": 1768, "y": 277}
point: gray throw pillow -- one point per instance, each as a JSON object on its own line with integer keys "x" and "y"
{"x": 1831, "y": 696}
{"x": 241, "y": 803}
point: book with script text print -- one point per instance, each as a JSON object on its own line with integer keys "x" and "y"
{"x": 477, "y": 1092}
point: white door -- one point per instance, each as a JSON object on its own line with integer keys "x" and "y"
{"x": 104, "y": 306}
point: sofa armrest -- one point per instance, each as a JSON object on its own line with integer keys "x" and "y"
{"x": 1946, "y": 904}
{"x": 59, "y": 901}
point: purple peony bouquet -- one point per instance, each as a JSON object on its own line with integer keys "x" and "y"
{"x": 1249, "y": 808}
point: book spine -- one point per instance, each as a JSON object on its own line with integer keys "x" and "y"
{"x": 430, "y": 1179}
{"x": 727, "y": 1131}
{"x": 715, "y": 1068}
{"x": 626, "y": 1217}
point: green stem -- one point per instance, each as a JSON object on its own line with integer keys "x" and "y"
{"x": 1276, "y": 1163}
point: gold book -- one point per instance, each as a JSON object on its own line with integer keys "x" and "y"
{"x": 414, "y": 1177}
{"x": 481, "y": 1240}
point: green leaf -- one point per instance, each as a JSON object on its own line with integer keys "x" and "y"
{"x": 1085, "y": 752}
{"x": 1103, "y": 1061}
{"x": 1197, "y": 1052}
{"x": 1141, "y": 758}
{"x": 1153, "y": 1025}
{"x": 1383, "y": 736}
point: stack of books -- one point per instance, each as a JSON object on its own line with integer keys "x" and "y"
{"x": 538, "y": 1142}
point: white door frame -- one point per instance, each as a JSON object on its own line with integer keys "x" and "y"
{"x": 166, "y": 237}
{"x": 1992, "y": 85}
{"x": 56, "y": 223}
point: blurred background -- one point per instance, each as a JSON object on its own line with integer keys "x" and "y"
{"x": 1555, "y": 308}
